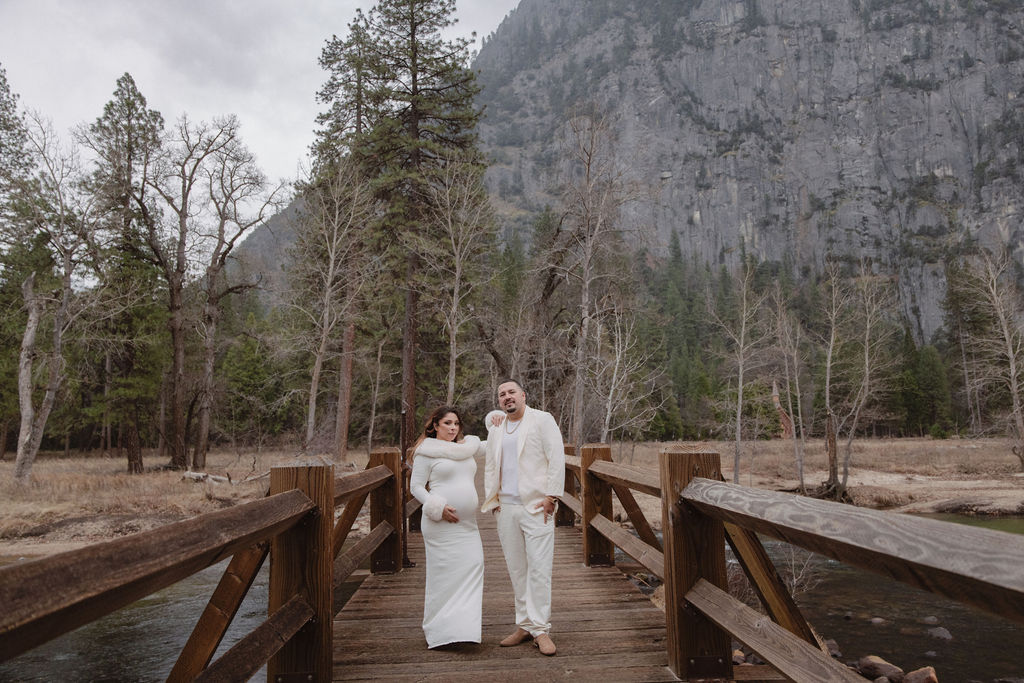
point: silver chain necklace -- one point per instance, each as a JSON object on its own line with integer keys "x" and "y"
{"x": 513, "y": 430}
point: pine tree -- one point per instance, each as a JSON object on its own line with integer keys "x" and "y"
{"x": 420, "y": 94}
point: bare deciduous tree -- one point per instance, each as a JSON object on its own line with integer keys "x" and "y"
{"x": 240, "y": 199}
{"x": 464, "y": 225}
{"x": 330, "y": 265}
{"x": 998, "y": 341}
{"x": 745, "y": 336}
{"x": 874, "y": 303}
{"x": 63, "y": 215}
{"x": 597, "y": 187}
{"x": 789, "y": 336}
{"x": 624, "y": 376}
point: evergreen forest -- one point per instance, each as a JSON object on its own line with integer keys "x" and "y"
{"x": 130, "y": 327}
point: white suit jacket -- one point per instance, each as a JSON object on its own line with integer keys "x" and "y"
{"x": 541, "y": 459}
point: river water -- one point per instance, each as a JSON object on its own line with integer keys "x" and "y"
{"x": 141, "y": 642}
{"x": 983, "y": 648}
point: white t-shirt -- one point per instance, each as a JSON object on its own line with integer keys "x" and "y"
{"x": 509, "y": 492}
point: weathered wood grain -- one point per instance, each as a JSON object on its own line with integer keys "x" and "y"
{"x": 793, "y": 657}
{"x": 300, "y": 564}
{"x": 386, "y": 505}
{"x": 99, "y": 579}
{"x": 597, "y": 500}
{"x": 637, "y": 478}
{"x": 350, "y": 560}
{"x": 359, "y": 483}
{"x": 978, "y": 567}
{"x": 694, "y": 549}
{"x": 651, "y": 558}
{"x": 248, "y": 655}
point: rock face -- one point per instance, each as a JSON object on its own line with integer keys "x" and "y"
{"x": 787, "y": 129}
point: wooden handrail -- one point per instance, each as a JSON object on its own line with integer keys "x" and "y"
{"x": 637, "y": 478}
{"x": 572, "y": 463}
{"x": 411, "y": 506}
{"x": 966, "y": 564}
{"x": 362, "y": 549}
{"x": 651, "y": 558}
{"x": 102, "y": 578}
{"x": 793, "y": 657}
{"x": 572, "y": 503}
{"x": 359, "y": 483}
{"x": 245, "y": 657}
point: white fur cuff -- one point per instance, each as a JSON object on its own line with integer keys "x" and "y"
{"x": 434, "y": 507}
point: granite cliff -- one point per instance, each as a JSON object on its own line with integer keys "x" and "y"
{"x": 787, "y": 129}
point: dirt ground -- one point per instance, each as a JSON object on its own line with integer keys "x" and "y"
{"x": 76, "y": 501}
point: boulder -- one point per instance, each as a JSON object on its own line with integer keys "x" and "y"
{"x": 872, "y": 667}
{"x": 877, "y": 621}
{"x": 931, "y": 621}
{"x": 940, "y": 632}
{"x": 925, "y": 674}
{"x": 832, "y": 647}
{"x": 738, "y": 657}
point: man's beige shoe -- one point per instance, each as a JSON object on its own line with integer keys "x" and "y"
{"x": 520, "y": 636}
{"x": 546, "y": 645}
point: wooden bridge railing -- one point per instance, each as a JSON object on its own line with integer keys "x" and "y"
{"x": 700, "y": 513}
{"x": 294, "y": 524}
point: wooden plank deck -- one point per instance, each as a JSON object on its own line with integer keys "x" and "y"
{"x": 603, "y": 626}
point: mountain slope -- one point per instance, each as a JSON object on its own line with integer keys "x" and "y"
{"x": 789, "y": 129}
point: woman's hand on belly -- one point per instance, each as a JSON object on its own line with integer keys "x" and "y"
{"x": 449, "y": 515}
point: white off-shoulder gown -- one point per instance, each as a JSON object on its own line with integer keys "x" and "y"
{"x": 443, "y": 474}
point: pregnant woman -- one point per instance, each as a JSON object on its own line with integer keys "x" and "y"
{"x": 442, "y": 479}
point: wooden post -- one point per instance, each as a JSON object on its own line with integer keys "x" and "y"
{"x": 694, "y": 549}
{"x": 386, "y": 505}
{"x": 301, "y": 560}
{"x": 415, "y": 519}
{"x": 565, "y": 516}
{"x": 597, "y": 499}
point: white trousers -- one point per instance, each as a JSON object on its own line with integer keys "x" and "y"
{"x": 529, "y": 547}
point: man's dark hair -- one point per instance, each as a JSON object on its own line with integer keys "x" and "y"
{"x": 514, "y": 381}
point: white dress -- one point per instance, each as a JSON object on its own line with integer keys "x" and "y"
{"x": 443, "y": 474}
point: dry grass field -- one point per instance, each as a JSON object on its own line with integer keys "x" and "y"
{"x": 80, "y": 500}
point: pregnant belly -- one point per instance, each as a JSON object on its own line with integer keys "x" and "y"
{"x": 462, "y": 498}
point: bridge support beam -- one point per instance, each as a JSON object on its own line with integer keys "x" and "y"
{"x": 301, "y": 560}
{"x": 694, "y": 549}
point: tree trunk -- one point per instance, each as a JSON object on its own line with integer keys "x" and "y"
{"x": 4, "y": 433}
{"x": 133, "y": 447}
{"x": 105, "y": 429}
{"x": 830, "y": 448}
{"x": 348, "y": 342}
{"x": 33, "y": 422}
{"x": 409, "y": 342}
{"x": 206, "y": 393}
{"x": 581, "y": 357}
{"x": 314, "y": 389}
{"x": 176, "y": 438}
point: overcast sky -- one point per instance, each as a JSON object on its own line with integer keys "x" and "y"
{"x": 253, "y": 58}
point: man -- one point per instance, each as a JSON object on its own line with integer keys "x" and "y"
{"x": 523, "y": 476}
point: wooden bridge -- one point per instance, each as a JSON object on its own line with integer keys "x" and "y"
{"x": 602, "y": 625}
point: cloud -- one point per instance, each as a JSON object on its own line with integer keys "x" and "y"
{"x": 255, "y": 58}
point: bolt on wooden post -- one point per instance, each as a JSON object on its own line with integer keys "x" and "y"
{"x": 694, "y": 549}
